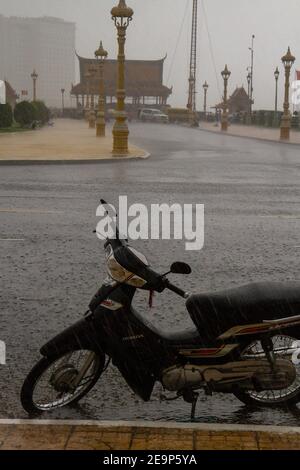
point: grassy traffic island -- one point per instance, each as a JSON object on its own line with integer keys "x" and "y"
{"x": 67, "y": 140}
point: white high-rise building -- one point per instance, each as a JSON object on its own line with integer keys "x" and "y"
{"x": 44, "y": 44}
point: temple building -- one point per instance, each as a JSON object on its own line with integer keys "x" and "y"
{"x": 144, "y": 82}
{"x": 238, "y": 102}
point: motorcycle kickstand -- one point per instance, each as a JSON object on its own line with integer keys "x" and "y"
{"x": 190, "y": 396}
{"x": 194, "y": 404}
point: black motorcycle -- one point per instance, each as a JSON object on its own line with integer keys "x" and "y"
{"x": 244, "y": 342}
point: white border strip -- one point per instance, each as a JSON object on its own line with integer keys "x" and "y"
{"x": 156, "y": 425}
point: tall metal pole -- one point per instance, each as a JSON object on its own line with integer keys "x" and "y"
{"x": 63, "y": 100}
{"x": 193, "y": 61}
{"x": 248, "y": 120}
{"x": 276, "y": 89}
{"x": 252, "y": 73}
{"x": 205, "y": 88}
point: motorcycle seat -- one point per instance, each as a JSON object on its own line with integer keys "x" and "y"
{"x": 215, "y": 313}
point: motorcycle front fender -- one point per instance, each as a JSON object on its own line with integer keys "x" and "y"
{"x": 81, "y": 335}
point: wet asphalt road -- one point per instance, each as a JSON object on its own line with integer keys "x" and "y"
{"x": 251, "y": 194}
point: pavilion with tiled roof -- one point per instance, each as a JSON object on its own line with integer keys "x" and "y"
{"x": 144, "y": 81}
{"x": 239, "y": 101}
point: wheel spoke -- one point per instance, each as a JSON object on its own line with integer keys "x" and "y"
{"x": 282, "y": 349}
{"x": 51, "y": 390}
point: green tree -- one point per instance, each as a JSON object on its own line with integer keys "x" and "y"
{"x": 42, "y": 112}
{"x": 6, "y": 115}
{"x": 25, "y": 113}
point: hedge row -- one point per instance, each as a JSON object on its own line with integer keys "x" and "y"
{"x": 6, "y": 115}
{"x": 25, "y": 114}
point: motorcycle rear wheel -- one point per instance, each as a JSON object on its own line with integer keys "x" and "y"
{"x": 288, "y": 397}
{"x": 56, "y": 372}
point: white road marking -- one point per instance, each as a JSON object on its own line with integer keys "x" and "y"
{"x": 30, "y": 211}
{"x": 280, "y": 216}
{"x": 12, "y": 239}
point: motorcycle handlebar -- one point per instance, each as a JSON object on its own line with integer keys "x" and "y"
{"x": 176, "y": 289}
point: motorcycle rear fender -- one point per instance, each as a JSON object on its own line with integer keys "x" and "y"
{"x": 81, "y": 335}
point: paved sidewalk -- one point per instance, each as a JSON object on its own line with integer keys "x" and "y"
{"x": 68, "y": 140}
{"x": 262, "y": 133}
{"x": 70, "y": 435}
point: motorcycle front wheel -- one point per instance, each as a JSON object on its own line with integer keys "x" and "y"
{"x": 285, "y": 347}
{"x": 60, "y": 381}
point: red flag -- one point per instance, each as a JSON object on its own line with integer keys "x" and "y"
{"x": 298, "y": 74}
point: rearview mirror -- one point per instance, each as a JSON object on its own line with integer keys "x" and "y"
{"x": 180, "y": 268}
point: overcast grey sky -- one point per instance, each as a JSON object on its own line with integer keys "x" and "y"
{"x": 155, "y": 31}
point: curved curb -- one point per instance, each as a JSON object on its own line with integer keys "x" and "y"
{"x": 110, "y": 159}
{"x": 259, "y": 139}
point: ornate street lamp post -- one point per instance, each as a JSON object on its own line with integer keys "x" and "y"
{"x": 34, "y": 77}
{"x": 101, "y": 55}
{"x": 287, "y": 61}
{"x": 87, "y": 106}
{"x": 205, "y": 88}
{"x": 276, "y": 75}
{"x": 121, "y": 15}
{"x": 63, "y": 100}
{"x": 225, "y": 74}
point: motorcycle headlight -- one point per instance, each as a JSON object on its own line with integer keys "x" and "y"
{"x": 120, "y": 274}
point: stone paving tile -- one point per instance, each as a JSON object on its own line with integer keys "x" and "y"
{"x": 274, "y": 441}
{"x": 4, "y": 433}
{"x": 24, "y": 437}
{"x": 68, "y": 437}
{"x": 162, "y": 439}
{"x": 93, "y": 438}
{"x": 225, "y": 440}
{"x": 69, "y": 139}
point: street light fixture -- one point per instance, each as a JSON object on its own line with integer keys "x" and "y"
{"x": 101, "y": 55}
{"x": 276, "y": 75}
{"x": 34, "y": 77}
{"x": 205, "y": 88}
{"x": 288, "y": 60}
{"x": 122, "y": 16}
{"x": 225, "y": 74}
{"x": 63, "y": 101}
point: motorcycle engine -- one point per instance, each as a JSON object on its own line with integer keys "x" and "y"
{"x": 250, "y": 375}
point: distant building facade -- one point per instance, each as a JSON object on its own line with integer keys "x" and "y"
{"x": 144, "y": 82}
{"x": 238, "y": 102}
{"x": 44, "y": 44}
{"x": 11, "y": 95}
